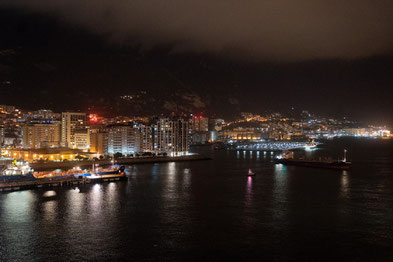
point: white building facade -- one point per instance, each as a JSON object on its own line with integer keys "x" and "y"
{"x": 124, "y": 139}
{"x": 171, "y": 136}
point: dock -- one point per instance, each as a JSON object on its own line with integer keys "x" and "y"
{"x": 75, "y": 181}
{"x": 53, "y": 182}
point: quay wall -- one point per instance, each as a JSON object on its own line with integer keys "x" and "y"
{"x": 53, "y": 183}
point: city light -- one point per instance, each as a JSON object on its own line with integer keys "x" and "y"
{"x": 196, "y": 130}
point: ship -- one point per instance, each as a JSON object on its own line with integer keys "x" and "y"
{"x": 14, "y": 171}
{"x": 21, "y": 172}
{"x": 109, "y": 172}
{"x": 19, "y": 176}
{"x": 287, "y": 159}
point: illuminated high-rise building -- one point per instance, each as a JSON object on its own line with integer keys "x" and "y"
{"x": 74, "y": 130}
{"x": 81, "y": 138}
{"x": 99, "y": 141}
{"x": 199, "y": 123}
{"x": 148, "y": 138}
{"x": 199, "y": 129}
{"x": 171, "y": 136}
{"x": 40, "y": 135}
{"x": 124, "y": 139}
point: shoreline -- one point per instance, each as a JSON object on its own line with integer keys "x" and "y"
{"x": 51, "y": 183}
{"x": 120, "y": 161}
{"x": 72, "y": 182}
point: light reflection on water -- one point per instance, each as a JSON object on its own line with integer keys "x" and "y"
{"x": 18, "y": 206}
{"x": 249, "y": 191}
{"x": 50, "y": 211}
{"x": 187, "y": 178}
{"x": 344, "y": 183}
{"x": 280, "y": 189}
{"x": 185, "y": 210}
{"x": 17, "y": 224}
{"x": 76, "y": 202}
{"x": 96, "y": 200}
{"x": 171, "y": 173}
{"x": 170, "y": 190}
{"x": 112, "y": 191}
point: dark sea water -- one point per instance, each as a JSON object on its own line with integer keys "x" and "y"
{"x": 210, "y": 210}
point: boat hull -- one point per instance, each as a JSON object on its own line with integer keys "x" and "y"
{"x": 316, "y": 164}
{"x": 112, "y": 172}
{"x": 17, "y": 178}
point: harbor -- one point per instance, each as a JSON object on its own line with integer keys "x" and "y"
{"x": 20, "y": 176}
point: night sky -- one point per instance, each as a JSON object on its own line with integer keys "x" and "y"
{"x": 333, "y": 58}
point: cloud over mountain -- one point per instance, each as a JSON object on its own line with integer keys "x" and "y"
{"x": 279, "y": 30}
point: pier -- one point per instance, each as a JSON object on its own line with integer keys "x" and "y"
{"x": 75, "y": 181}
{"x": 53, "y": 182}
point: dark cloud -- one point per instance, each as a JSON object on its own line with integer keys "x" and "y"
{"x": 271, "y": 29}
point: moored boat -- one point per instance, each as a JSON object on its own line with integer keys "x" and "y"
{"x": 20, "y": 177}
{"x": 287, "y": 159}
{"x": 114, "y": 171}
{"x": 16, "y": 172}
{"x": 21, "y": 172}
{"x": 311, "y": 163}
{"x": 111, "y": 172}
